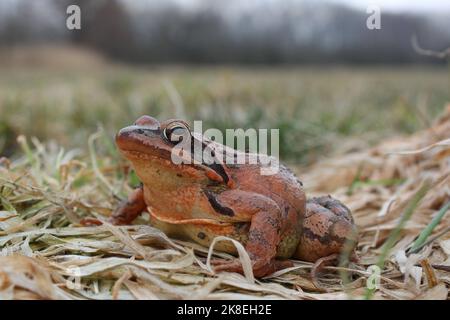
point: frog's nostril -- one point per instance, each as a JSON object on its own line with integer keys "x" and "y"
{"x": 147, "y": 121}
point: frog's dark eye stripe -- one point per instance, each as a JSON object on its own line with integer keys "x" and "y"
{"x": 206, "y": 150}
{"x": 216, "y": 166}
{"x": 146, "y": 131}
{"x": 138, "y": 130}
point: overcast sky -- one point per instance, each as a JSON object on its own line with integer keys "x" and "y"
{"x": 400, "y": 5}
{"x": 390, "y": 5}
{"x": 442, "y": 6}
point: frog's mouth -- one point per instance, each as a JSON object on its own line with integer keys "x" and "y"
{"x": 142, "y": 142}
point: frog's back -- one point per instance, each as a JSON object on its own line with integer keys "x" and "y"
{"x": 283, "y": 186}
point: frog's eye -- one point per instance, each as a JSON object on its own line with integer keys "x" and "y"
{"x": 176, "y": 131}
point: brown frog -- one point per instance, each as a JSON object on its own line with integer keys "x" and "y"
{"x": 268, "y": 214}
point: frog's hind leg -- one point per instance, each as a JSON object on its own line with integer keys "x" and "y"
{"x": 266, "y": 222}
{"x": 328, "y": 230}
{"x": 328, "y": 227}
{"x": 129, "y": 209}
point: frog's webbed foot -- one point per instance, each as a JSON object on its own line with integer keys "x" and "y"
{"x": 129, "y": 209}
{"x": 258, "y": 271}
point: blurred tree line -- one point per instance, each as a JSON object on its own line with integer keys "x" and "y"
{"x": 225, "y": 32}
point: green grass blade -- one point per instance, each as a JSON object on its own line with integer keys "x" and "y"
{"x": 395, "y": 234}
{"x": 23, "y": 143}
{"x": 429, "y": 229}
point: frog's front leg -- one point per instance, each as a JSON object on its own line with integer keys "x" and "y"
{"x": 266, "y": 224}
{"x": 129, "y": 209}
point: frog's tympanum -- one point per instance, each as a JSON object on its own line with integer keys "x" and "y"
{"x": 268, "y": 214}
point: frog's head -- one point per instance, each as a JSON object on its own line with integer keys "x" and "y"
{"x": 153, "y": 148}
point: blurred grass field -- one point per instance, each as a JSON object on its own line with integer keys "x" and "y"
{"x": 318, "y": 110}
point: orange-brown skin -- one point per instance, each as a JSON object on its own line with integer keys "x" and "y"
{"x": 269, "y": 214}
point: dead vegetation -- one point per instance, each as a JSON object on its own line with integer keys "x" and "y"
{"x": 398, "y": 191}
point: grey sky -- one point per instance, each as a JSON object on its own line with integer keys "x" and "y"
{"x": 441, "y": 6}
{"x": 389, "y": 5}
{"x": 400, "y": 5}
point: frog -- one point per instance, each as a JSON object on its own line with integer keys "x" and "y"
{"x": 200, "y": 199}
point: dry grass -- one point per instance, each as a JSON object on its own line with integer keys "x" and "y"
{"x": 46, "y": 253}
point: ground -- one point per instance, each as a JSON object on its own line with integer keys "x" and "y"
{"x": 337, "y": 127}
